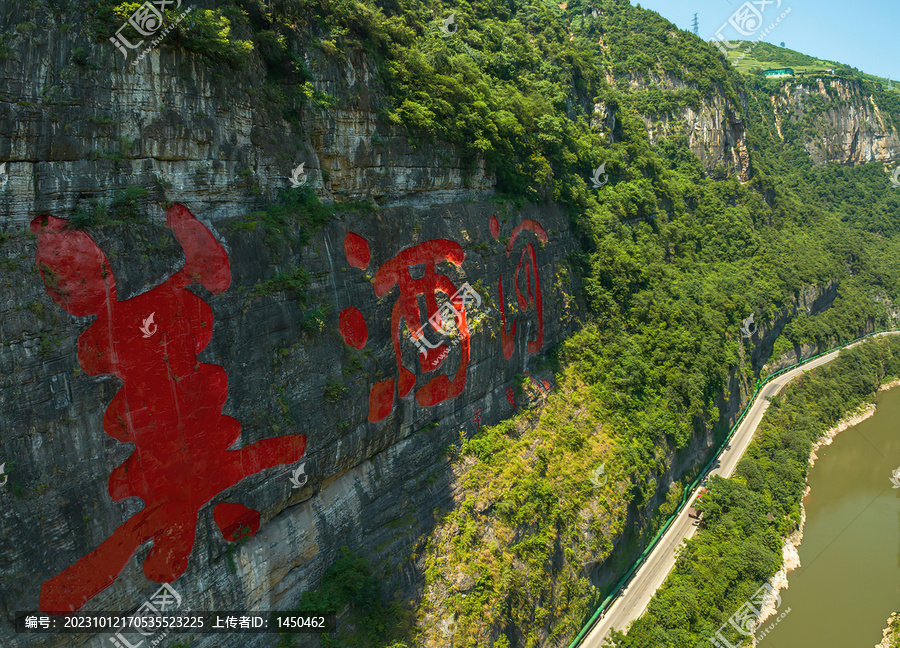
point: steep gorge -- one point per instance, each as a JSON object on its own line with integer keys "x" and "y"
{"x": 71, "y": 133}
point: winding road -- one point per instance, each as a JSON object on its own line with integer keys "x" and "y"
{"x": 635, "y": 596}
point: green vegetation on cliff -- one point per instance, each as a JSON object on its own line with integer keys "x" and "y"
{"x": 348, "y": 589}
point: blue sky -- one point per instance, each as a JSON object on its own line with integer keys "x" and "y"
{"x": 860, "y": 33}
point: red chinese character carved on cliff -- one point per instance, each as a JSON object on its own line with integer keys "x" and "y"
{"x": 531, "y": 297}
{"x": 169, "y": 406}
{"x": 396, "y": 272}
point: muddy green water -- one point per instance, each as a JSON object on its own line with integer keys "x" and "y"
{"x": 848, "y": 582}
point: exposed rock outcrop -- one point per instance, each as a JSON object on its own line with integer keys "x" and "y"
{"x": 840, "y": 122}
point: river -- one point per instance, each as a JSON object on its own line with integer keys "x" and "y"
{"x": 848, "y": 582}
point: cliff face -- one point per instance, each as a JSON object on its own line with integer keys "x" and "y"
{"x": 715, "y": 132}
{"x": 838, "y": 122}
{"x": 193, "y": 134}
{"x": 73, "y": 132}
{"x": 365, "y": 157}
{"x": 178, "y": 130}
{"x": 373, "y": 486}
{"x": 834, "y": 118}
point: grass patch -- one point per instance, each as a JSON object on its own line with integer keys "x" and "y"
{"x": 334, "y": 391}
{"x": 125, "y": 207}
{"x": 295, "y": 279}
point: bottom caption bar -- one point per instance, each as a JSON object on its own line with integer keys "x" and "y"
{"x": 149, "y": 624}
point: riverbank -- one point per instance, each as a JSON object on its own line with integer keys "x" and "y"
{"x": 789, "y": 550}
{"x": 772, "y": 471}
{"x": 860, "y": 415}
{"x": 854, "y": 419}
{"x": 891, "y": 633}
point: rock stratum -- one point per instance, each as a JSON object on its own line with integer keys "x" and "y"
{"x": 328, "y": 357}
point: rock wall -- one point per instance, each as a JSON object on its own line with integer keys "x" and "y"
{"x": 715, "y": 134}
{"x": 842, "y": 122}
{"x": 194, "y": 134}
{"x": 810, "y": 300}
{"x": 70, "y": 133}
{"x": 374, "y": 487}
{"x": 838, "y": 121}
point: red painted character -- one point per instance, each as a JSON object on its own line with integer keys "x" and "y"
{"x": 395, "y": 272}
{"x": 532, "y": 293}
{"x": 169, "y": 406}
{"x": 542, "y": 385}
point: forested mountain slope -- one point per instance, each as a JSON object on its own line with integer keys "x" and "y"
{"x": 721, "y": 196}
